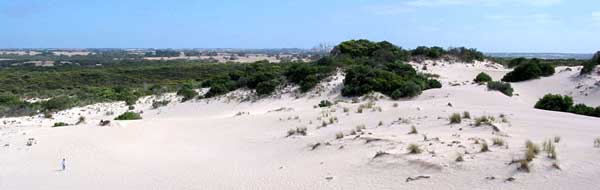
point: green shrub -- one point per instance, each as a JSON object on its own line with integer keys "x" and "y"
{"x": 414, "y": 149}
{"x": 60, "y": 124}
{"x": 129, "y": 116}
{"x": 531, "y": 70}
{"x": 266, "y": 87}
{"x": 555, "y": 103}
{"x": 482, "y": 77}
{"x": 58, "y": 104}
{"x": 158, "y": 104}
{"x": 325, "y": 103}
{"x": 187, "y": 92}
{"x": 589, "y": 66}
{"x": 503, "y": 87}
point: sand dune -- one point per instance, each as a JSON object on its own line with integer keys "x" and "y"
{"x": 226, "y": 144}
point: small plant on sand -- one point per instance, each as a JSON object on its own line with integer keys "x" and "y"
{"x": 414, "y": 149}
{"x": 297, "y": 131}
{"x": 532, "y": 150}
{"x": 60, "y": 124}
{"x": 129, "y": 116}
{"x": 455, "y": 118}
{"x": 597, "y": 142}
{"x": 346, "y": 110}
{"x": 459, "y": 158}
{"x": 380, "y": 123}
{"x": 413, "y": 131}
{"x": 158, "y": 104}
{"x": 483, "y": 120}
{"x": 339, "y": 135}
{"x": 325, "y": 103}
{"x": 360, "y": 128}
{"x": 497, "y": 141}
{"x": 556, "y": 139}
{"x": 484, "y": 147}
{"x": 80, "y": 120}
{"x": 466, "y": 115}
{"x": 523, "y": 166}
{"x": 395, "y": 105}
{"x": 380, "y": 154}
{"x": 555, "y": 165}
{"x": 324, "y": 124}
{"x": 549, "y": 147}
{"x": 359, "y": 110}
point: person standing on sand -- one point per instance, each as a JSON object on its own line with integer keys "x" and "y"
{"x": 63, "y": 164}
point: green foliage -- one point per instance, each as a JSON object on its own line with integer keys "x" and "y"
{"x": 129, "y": 116}
{"x": 555, "y": 103}
{"x": 58, "y": 103}
{"x": 533, "y": 69}
{"x": 503, "y": 87}
{"x": 325, "y": 103}
{"x": 60, "y": 124}
{"x": 187, "y": 92}
{"x": 482, "y": 77}
{"x": 589, "y": 66}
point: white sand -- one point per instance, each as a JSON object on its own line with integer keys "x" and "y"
{"x": 207, "y": 145}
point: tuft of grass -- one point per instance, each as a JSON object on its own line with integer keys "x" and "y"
{"x": 597, "y": 142}
{"x": 414, "y": 149}
{"x": 532, "y": 150}
{"x": 360, "y": 128}
{"x": 455, "y": 118}
{"x": 459, "y": 158}
{"x": 483, "y": 120}
{"x": 484, "y": 147}
{"x": 395, "y": 105}
{"x": 297, "y": 131}
{"x": 413, "y": 130}
{"x": 466, "y": 115}
{"x": 556, "y": 139}
{"x": 339, "y": 135}
{"x": 380, "y": 123}
{"x": 346, "y": 110}
{"x": 497, "y": 141}
{"x": 524, "y": 166}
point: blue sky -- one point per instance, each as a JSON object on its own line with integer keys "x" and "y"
{"x": 489, "y": 25}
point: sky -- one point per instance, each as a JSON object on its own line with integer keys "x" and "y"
{"x": 552, "y": 26}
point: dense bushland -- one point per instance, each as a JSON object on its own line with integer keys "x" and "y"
{"x": 561, "y": 103}
{"x": 531, "y": 69}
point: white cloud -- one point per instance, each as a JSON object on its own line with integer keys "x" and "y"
{"x": 544, "y": 19}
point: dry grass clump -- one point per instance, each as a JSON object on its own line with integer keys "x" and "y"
{"x": 597, "y": 142}
{"x": 297, "y": 131}
{"x": 360, "y": 128}
{"x": 395, "y": 105}
{"x": 380, "y": 123}
{"x": 459, "y": 158}
{"x": 484, "y": 147}
{"x": 556, "y": 139}
{"x": 487, "y": 120}
{"x": 466, "y": 115}
{"x": 523, "y": 166}
{"x": 414, "y": 149}
{"x": 549, "y": 147}
{"x": 455, "y": 118}
{"x": 339, "y": 135}
{"x": 497, "y": 141}
{"x": 346, "y": 110}
{"x": 413, "y": 130}
{"x": 532, "y": 150}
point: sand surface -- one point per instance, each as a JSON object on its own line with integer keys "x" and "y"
{"x": 224, "y": 143}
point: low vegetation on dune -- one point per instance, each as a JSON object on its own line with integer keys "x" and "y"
{"x": 589, "y": 66}
{"x": 556, "y": 102}
{"x": 368, "y": 66}
{"x": 482, "y": 78}
{"x": 129, "y": 116}
{"x": 530, "y": 69}
{"x": 503, "y": 87}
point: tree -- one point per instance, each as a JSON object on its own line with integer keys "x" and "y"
{"x": 482, "y": 77}
{"x": 555, "y": 103}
